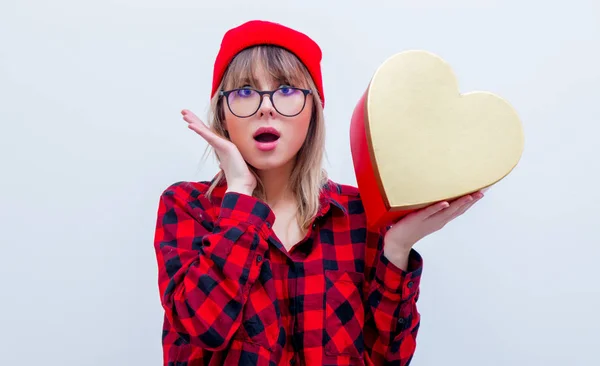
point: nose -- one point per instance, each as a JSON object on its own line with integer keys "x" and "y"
{"x": 266, "y": 107}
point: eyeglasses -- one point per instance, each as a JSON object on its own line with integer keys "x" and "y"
{"x": 287, "y": 101}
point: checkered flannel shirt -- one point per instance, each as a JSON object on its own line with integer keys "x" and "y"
{"x": 233, "y": 295}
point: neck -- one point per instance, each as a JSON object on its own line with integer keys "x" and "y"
{"x": 276, "y": 184}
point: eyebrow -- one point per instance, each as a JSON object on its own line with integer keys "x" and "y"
{"x": 248, "y": 80}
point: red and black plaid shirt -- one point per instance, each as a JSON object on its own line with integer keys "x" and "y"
{"x": 233, "y": 295}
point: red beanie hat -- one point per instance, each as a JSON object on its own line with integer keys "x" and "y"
{"x": 257, "y": 32}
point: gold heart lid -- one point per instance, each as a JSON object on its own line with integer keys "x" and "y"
{"x": 427, "y": 141}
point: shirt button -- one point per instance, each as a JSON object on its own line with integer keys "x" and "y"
{"x": 410, "y": 284}
{"x": 259, "y": 258}
{"x": 269, "y": 225}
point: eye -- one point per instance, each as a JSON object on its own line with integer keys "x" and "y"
{"x": 245, "y": 91}
{"x": 286, "y": 90}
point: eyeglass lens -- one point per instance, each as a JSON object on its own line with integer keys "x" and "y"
{"x": 287, "y": 101}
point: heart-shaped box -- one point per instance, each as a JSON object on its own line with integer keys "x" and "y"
{"x": 415, "y": 140}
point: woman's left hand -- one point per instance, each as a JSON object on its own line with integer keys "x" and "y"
{"x": 411, "y": 228}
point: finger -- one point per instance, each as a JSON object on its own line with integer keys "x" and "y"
{"x": 433, "y": 209}
{"x": 202, "y": 131}
{"x": 476, "y": 196}
{"x": 192, "y": 119}
{"x": 464, "y": 208}
{"x": 454, "y": 207}
{"x": 196, "y": 125}
{"x": 187, "y": 114}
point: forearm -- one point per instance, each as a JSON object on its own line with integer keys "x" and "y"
{"x": 204, "y": 276}
{"x": 392, "y": 326}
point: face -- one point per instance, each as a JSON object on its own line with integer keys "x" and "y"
{"x": 267, "y": 139}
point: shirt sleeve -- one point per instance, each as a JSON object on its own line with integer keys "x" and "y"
{"x": 391, "y": 296}
{"x": 205, "y": 270}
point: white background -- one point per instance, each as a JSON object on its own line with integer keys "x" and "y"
{"x": 90, "y": 95}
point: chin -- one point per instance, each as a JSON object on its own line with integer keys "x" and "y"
{"x": 268, "y": 160}
{"x": 266, "y": 163}
{"x": 261, "y": 160}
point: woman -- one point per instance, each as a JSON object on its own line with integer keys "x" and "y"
{"x": 271, "y": 262}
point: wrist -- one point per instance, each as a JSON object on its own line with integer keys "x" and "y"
{"x": 397, "y": 256}
{"x": 240, "y": 189}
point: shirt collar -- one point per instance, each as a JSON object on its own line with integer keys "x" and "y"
{"x": 329, "y": 196}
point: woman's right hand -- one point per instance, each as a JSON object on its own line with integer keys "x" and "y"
{"x": 238, "y": 176}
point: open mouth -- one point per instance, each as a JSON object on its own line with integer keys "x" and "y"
{"x": 266, "y": 134}
{"x": 266, "y": 137}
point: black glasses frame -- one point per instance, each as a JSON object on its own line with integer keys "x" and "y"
{"x": 262, "y": 93}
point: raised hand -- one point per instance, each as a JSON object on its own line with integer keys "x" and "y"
{"x": 238, "y": 176}
{"x": 401, "y": 237}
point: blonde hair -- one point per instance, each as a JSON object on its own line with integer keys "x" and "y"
{"x": 308, "y": 176}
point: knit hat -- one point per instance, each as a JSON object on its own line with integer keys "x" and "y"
{"x": 258, "y": 32}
